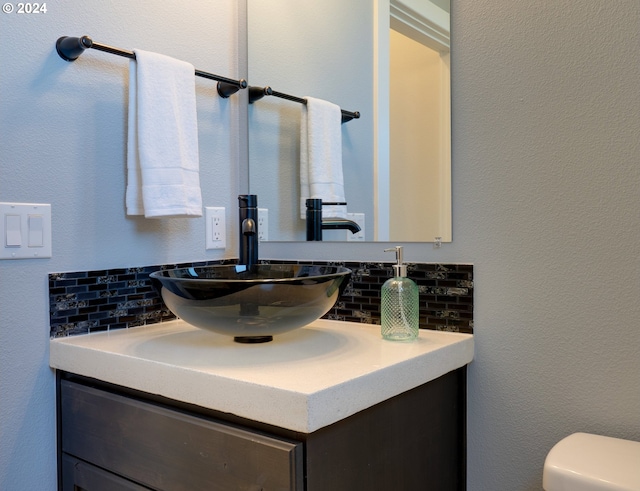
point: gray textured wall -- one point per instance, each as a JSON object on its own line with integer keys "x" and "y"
{"x": 62, "y": 141}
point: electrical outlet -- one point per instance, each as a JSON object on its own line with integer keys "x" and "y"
{"x": 263, "y": 224}
{"x": 215, "y": 228}
{"x": 359, "y": 219}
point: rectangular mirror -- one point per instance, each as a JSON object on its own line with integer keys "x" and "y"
{"x": 390, "y": 62}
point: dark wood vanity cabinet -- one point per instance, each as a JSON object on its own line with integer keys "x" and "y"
{"x": 113, "y": 438}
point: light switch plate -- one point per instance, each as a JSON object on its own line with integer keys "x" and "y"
{"x": 25, "y": 230}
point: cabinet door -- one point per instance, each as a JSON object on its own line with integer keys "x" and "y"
{"x": 80, "y": 476}
{"x": 169, "y": 450}
{"x": 412, "y": 442}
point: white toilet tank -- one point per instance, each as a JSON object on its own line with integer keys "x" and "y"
{"x": 584, "y": 462}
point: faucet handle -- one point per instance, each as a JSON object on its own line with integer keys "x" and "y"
{"x": 317, "y": 204}
{"x": 248, "y": 200}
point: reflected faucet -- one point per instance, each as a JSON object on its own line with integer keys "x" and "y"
{"x": 316, "y": 223}
{"x": 248, "y": 211}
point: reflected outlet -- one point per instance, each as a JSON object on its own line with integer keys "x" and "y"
{"x": 263, "y": 224}
{"x": 359, "y": 219}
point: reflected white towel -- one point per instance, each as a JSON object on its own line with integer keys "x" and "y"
{"x": 162, "y": 148}
{"x": 321, "y": 156}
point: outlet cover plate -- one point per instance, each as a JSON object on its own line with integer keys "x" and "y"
{"x": 359, "y": 219}
{"x": 215, "y": 228}
{"x": 263, "y": 224}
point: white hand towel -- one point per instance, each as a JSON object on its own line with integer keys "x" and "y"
{"x": 162, "y": 148}
{"x": 321, "y": 156}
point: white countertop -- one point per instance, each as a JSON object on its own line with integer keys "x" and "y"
{"x": 302, "y": 380}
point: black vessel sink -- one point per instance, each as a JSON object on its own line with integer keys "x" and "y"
{"x": 251, "y": 304}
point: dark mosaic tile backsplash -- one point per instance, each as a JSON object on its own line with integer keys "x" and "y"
{"x": 91, "y": 301}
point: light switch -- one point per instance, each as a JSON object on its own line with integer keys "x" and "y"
{"x": 25, "y": 231}
{"x": 12, "y": 230}
{"x": 36, "y": 231}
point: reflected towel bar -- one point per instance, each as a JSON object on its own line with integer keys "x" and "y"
{"x": 257, "y": 93}
{"x": 70, "y": 48}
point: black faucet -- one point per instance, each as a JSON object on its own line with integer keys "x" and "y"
{"x": 248, "y": 208}
{"x": 316, "y": 223}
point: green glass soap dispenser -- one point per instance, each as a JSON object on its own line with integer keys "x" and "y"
{"x": 400, "y": 304}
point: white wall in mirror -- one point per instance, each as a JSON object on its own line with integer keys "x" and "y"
{"x": 340, "y": 51}
{"x": 419, "y": 141}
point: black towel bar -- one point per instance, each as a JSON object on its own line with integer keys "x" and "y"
{"x": 257, "y": 93}
{"x": 70, "y": 48}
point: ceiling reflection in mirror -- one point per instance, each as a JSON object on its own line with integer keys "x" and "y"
{"x": 387, "y": 61}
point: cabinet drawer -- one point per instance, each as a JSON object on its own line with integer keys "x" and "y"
{"x": 80, "y": 476}
{"x": 169, "y": 450}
